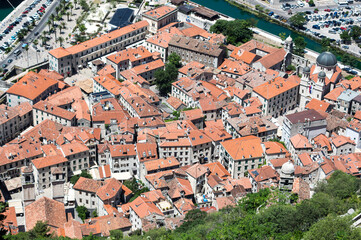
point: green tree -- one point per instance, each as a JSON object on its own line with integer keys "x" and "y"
{"x": 84, "y": 174}
{"x": 326, "y": 43}
{"x": 345, "y": 36}
{"x": 175, "y": 59}
{"x": 94, "y": 214}
{"x": 82, "y": 28}
{"x": 252, "y": 202}
{"x": 116, "y": 234}
{"x": 355, "y": 32}
{"x": 237, "y": 31}
{"x": 165, "y": 78}
{"x": 300, "y": 45}
{"x": 83, "y": 212}
{"x": 298, "y": 20}
{"x": 137, "y": 187}
{"x": 40, "y": 230}
{"x": 333, "y": 228}
{"x": 340, "y": 185}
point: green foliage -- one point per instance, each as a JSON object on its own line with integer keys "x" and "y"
{"x": 345, "y": 36}
{"x": 84, "y": 5}
{"x": 251, "y": 202}
{"x": 311, "y": 3}
{"x": 165, "y": 78}
{"x": 237, "y": 31}
{"x": 333, "y": 228}
{"x": 298, "y": 20}
{"x": 83, "y": 212}
{"x": 291, "y": 68}
{"x": 192, "y": 219}
{"x": 326, "y": 43}
{"x": 340, "y": 185}
{"x": 175, "y": 59}
{"x": 349, "y": 77}
{"x": 40, "y": 230}
{"x": 137, "y": 187}
{"x": 94, "y": 214}
{"x": 84, "y": 174}
{"x": 300, "y": 45}
{"x": 355, "y": 32}
{"x": 116, "y": 234}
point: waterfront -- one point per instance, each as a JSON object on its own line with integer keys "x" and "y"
{"x": 6, "y": 9}
{"x": 228, "y": 9}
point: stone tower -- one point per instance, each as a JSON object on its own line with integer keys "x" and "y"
{"x": 287, "y": 176}
{"x": 28, "y": 185}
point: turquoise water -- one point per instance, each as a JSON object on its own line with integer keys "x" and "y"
{"x": 5, "y": 7}
{"x": 232, "y": 11}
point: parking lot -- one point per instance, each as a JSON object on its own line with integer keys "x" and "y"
{"x": 332, "y": 22}
{"x": 31, "y": 14}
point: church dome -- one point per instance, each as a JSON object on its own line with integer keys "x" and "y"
{"x": 326, "y": 59}
{"x": 288, "y": 168}
{"x": 289, "y": 39}
{"x": 306, "y": 70}
{"x": 322, "y": 74}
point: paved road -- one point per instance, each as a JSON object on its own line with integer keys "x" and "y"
{"x": 31, "y": 36}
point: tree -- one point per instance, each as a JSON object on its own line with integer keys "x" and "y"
{"x": 237, "y": 31}
{"x": 84, "y": 174}
{"x": 40, "y": 230}
{"x": 22, "y": 33}
{"x": 83, "y": 212}
{"x": 68, "y": 14}
{"x": 3, "y": 206}
{"x": 175, "y": 59}
{"x": 326, "y": 43}
{"x": 298, "y": 20}
{"x": 345, "y": 36}
{"x": 332, "y": 228}
{"x": 355, "y": 32}
{"x": 300, "y": 45}
{"x": 137, "y": 187}
{"x": 165, "y": 78}
{"x": 84, "y": 5}
{"x": 311, "y": 3}
{"x": 340, "y": 185}
{"x": 61, "y": 40}
{"x": 252, "y": 202}
{"x": 82, "y": 28}
{"x": 94, "y": 214}
{"x": 116, "y": 234}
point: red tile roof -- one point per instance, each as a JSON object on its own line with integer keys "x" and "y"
{"x": 46, "y": 210}
{"x": 244, "y": 147}
{"x": 32, "y": 85}
{"x": 48, "y": 161}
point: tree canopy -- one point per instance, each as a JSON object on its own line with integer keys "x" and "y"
{"x": 83, "y": 212}
{"x": 165, "y": 78}
{"x": 298, "y": 20}
{"x": 237, "y": 31}
{"x": 300, "y": 45}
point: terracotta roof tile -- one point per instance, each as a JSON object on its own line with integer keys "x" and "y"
{"x": 244, "y": 147}
{"x": 32, "y": 85}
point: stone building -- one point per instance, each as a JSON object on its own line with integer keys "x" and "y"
{"x": 190, "y": 49}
